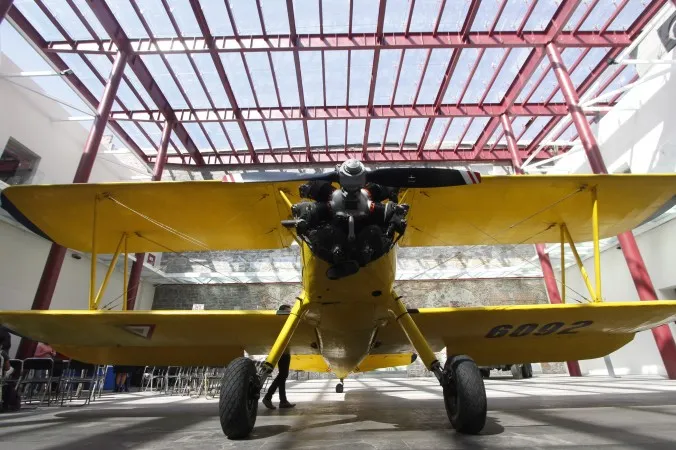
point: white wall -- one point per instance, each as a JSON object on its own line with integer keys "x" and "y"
{"x": 30, "y": 119}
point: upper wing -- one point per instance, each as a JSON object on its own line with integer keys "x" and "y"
{"x": 523, "y": 209}
{"x": 193, "y": 338}
{"x": 531, "y": 333}
{"x": 158, "y": 217}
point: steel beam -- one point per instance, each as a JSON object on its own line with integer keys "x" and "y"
{"x": 349, "y": 112}
{"x": 374, "y": 75}
{"x": 113, "y": 28}
{"x": 5, "y": 5}
{"x": 293, "y": 39}
{"x": 639, "y": 273}
{"x": 545, "y": 263}
{"x": 137, "y": 266}
{"x": 361, "y": 41}
{"x": 57, "y": 253}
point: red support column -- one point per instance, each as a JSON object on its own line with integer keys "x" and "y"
{"x": 5, "y": 5}
{"x": 644, "y": 285}
{"x": 137, "y": 266}
{"x": 547, "y": 271}
{"x": 50, "y": 274}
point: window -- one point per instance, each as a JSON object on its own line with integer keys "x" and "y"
{"x": 17, "y": 163}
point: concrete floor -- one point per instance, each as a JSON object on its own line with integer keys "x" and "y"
{"x": 392, "y": 413}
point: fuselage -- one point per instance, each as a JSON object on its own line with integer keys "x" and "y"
{"x": 347, "y": 312}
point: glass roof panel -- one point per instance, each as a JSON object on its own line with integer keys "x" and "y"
{"x": 315, "y": 129}
{"x": 311, "y": 68}
{"x": 377, "y": 131}
{"x": 396, "y": 14}
{"x": 415, "y": 130}
{"x": 479, "y": 83}
{"x": 576, "y": 16}
{"x": 138, "y": 137}
{"x": 125, "y": 94}
{"x": 588, "y": 64}
{"x": 336, "y": 132}
{"x": 410, "y": 75}
{"x": 189, "y": 81}
{"x": 461, "y": 74}
{"x": 235, "y": 135}
{"x": 387, "y": 71}
{"x": 129, "y": 74}
{"x": 101, "y": 63}
{"x": 163, "y": 79}
{"x": 360, "y": 76}
{"x": 535, "y": 127}
{"x": 275, "y": 16}
{"x": 39, "y": 20}
{"x": 542, "y": 15}
{"x": 306, "y": 15}
{"x": 128, "y": 19}
{"x": 255, "y": 130}
{"x": 627, "y": 16}
{"x": 355, "y": 132}
{"x": 454, "y": 16}
{"x": 246, "y": 17}
{"x": 599, "y": 15}
{"x": 157, "y": 18}
{"x": 512, "y": 15}
{"x": 336, "y": 16}
{"x": 425, "y": 15}
{"x": 336, "y": 77}
{"x": 262, "y": 79}
{"x": 238, "y": 80}
{"x": 286, "y": 77}
{"x": 434, "y": 75}
{"x": 510, "y": 69}
{"x": 178, "y": 144}
{"x": 296, "y": 134}
{"x": 78, "y": 66}
{"x": 206, "y": 67}
{"x": 91, "y": 18}
{"x": 65, "y": 15}
{"x": 476, "y": 128}
{"x": 365, "y": 17}
{"x": 396, "y": 131}
{"x": 198, "y": 137}
{"x": 217, "y": 136}
{"x": 217, "y": 18}
{"x": 484, "y": 16}
{"x": 183, "y": 15}
{"x": 436, "y": 133}
{"x": 153, "y": 131}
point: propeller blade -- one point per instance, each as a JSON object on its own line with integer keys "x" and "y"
{"x": 422, "y": 177}
{"x": 280, "y": 177}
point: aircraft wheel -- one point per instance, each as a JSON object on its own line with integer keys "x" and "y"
{"x": 527, "y": 370}
{"x": 238, "y": 404}
{"x": 465, "y": 395}
{"x": 339, "y": 388}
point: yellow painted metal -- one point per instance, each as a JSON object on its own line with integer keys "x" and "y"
{"x": 287, "y": 331}
{"x": 373, "y": 362}
{"x": 93, "y": 263}
{"x": 285, "y": 198}
{"x": 309, "y": 363}
{"x": 109, "y": 272}
{"x": 493, "y": 212}
{"x": 595, "y": 237}
{"x": 413, "y": 333}
{"x": 580, "y": 265}
{"x": 197, "y": 337}
{"x": 563, "y": 264}
{"x": 125, "y": 276}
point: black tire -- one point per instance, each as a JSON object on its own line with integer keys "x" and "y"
{"x": 339, "y": 388}
{"x": 527, "y": 370}
{"x": 485, "y": 373}
{"x": 238, "y": 405}
{"x": 465, "y": 395}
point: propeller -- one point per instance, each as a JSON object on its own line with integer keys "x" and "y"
{"x": 352, "y": 174}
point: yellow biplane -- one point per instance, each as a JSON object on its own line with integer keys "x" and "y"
{"x": 348, "y": 224}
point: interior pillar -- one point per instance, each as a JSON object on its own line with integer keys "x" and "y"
{"x": 57, "y": 253}
{"x": 545, "y": 263}
{"x": 137, "y": 266}
{"x": 644, "y": 286}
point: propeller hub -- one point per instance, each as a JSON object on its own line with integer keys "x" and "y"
{"x": 352, "y": 175}
{"x": 353, "y": 167}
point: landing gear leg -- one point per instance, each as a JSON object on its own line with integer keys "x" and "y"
{"x": 464, "y": 391}
{"x": 339, "y": 387}
{"x": 241, "y": 383}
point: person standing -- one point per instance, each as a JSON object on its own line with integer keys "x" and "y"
{"x": 279, "y": 383}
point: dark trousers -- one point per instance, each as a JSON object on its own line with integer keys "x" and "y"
{"x": 280, "y": 380}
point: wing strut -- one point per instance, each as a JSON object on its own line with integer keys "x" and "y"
{"x": 594, "y": 291}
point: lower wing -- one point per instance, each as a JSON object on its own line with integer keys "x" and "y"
{"x": 531, "y": 333}
{"x": 190, "y": 338}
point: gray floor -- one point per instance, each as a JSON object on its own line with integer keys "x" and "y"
{"x": 392, "y": 413}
